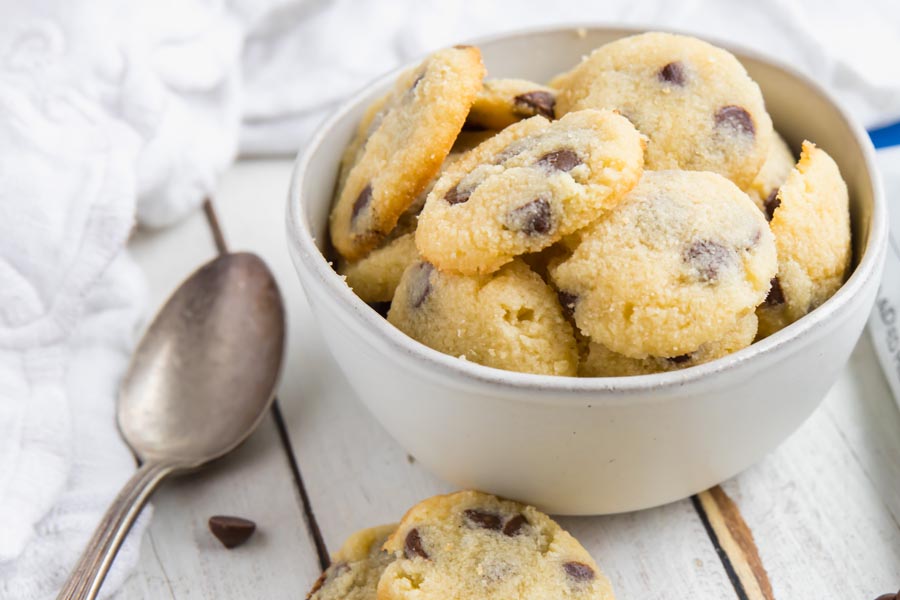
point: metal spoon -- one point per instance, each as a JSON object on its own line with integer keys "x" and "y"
{"x": 199, "y": 383}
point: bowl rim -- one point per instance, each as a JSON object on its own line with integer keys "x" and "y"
{"x": 462, "y": 373}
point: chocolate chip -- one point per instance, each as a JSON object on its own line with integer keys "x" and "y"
{"x": 889, "y": 596}
{"x": 362, "y": 201}
{"x": 672, "y": 73}
{"x": 231, "y": 531}
{"x": 513, "y": 149}
{"x": 514, "y": 526}
{"x": 482, "y": 519}
{"x": 456, "y": 196}
{"x": 419, "y": 78}
{"x": 680, "y": 359}
{"x": 536, "y": 103}
{"x": 708, "y": 257}
{"x": 737, "y": 118}
{"x": 772, "y": 202}
{"x": 420, "y": 285}
{"x": 413, "y": 546}
{"x": 578, "y": 571}
{"x": 776, "y": 294}
{"x": 533, "y": 218}
{"x": 559, "y": 160}
{"x": 567, "y": 300}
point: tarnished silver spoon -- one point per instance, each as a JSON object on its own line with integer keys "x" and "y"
{"x": 199, "y": 383}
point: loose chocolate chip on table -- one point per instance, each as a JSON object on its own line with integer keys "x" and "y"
{"x": 672, "y": 73}
{"x": 680, "y": 359}
{"x": 514, "y": 526}
{"x": 531, "y": 219}
{"x": 578, "y": 571}
{"x": 362, "y": 201}
{"x": 776, "y": 294}
{"x": 456, "y": 196}
{"x": 889, "y": 596}
{"x": 567, "y": 300}
{"x": 231, "y": 531}
{"x": 413, "y": 546}
{"x": 708, "y": 257}
{"x": 737, "y": 118}
{"x": 420, "y": 286}
{"x": 482, "y": 519}
{"x": 536, "y": 103}
{"x": 772, "y": 202}
{"x": 560, "y": 160}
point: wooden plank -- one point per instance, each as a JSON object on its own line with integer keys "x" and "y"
{"x": 358, "y": 476}
{"x": 179, "y": 557}
{"x": 825, "y": 507}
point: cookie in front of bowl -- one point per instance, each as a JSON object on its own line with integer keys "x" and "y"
{"x": 695, "y": 102}
{"x": 412, "y": 132}
{"x": 477, "y": 546}
{"x": 811, "y": 224}
{"x": 527, "y": 187}
{"x": 356, "y": 568}
{"x": 510, "y": 319}
{"x": 674, "y": 266}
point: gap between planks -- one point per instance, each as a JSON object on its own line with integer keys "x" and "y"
{"x": 726, "y": 528}
{"x": 733, "y": 541}
{"x": 284, "y": 437}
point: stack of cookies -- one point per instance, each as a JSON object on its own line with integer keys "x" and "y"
{"x": 638, "y": 214}
{"x": 464, "y": 545}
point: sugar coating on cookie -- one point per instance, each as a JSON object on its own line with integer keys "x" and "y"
{"x": 600, "y": 361}
{"x": 694, "y": 101}
{"x": 527, "y": 187}
{"x": 356, "y": 568}
{"x": 508, "y": 320}
{"x": 502, "y": 102}
{"x": 775, "y": 170}
{"x": 811, "y": 224}
{"x": 412, "y": 134}
{"x": 673, "y": 267}
{"x": 476, "y": 546}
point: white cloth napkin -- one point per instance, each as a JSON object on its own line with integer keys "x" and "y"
{"x": 115, "y": 110}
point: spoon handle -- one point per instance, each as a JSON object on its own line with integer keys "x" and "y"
{"x": 86, "y": 578}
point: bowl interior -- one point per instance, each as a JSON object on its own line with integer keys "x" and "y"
{"x": 540, "y": 55}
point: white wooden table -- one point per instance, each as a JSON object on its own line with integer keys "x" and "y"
{"x": 818, "y": 519}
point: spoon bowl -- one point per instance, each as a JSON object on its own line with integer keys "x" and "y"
{"x": 205, "y": 372}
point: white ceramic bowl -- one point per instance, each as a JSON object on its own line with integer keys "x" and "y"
{"x": 605, "y": 445}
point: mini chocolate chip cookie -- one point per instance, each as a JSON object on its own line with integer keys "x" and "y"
{"x": 476, "y": 546}
{"x": 673, "y": 267}
{"x": 811, "y": 223}
{"x": 509, "y": 319}
{"x": 355, "y": 568}
{"x": 502, "y": 102}
{"x": 779, "y": 163}
{"x": 527, "y": 187}
{"x": 695, "y": 102}
{"x": 375, "y": 277}
{"x": 411, "y": 134}
{"x": 600, "y": 361}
